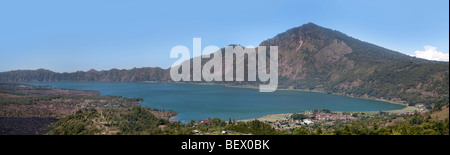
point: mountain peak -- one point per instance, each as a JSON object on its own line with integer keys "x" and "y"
{"x": 315, "y": 37}
{"x": 310, "y": 27}
{"x": 310, "y": 24}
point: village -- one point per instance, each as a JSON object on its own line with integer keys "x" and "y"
{"x": 307, "y": 118}
{"x": 310, "y": 119}
{"x": 288, "y": 122}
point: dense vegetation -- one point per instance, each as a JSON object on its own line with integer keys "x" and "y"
{"x": 141, "y": 121}
{"x": 384, "y": 123}
{"x": 253, "y": 127}
{"x": 405, "y": 81}
{"x": 299, "y": 116}
{"x": 133, "y": 121}
{"x": 76, "y": 124}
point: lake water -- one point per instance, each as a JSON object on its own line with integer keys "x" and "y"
{"x": 197, "y": 102}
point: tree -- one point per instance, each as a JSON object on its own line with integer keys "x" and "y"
{"x": 326, "y": 110}
{"x": 303, "y": 131}
{"x": 319, "y": 131}
{"x": 192, "y": 123}
{"x": 296, "y": 131}
{"x": 299, "y": 116}
{"x": 346, "y": 130}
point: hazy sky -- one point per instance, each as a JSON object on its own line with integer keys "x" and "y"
{"x": 67, "y": 36}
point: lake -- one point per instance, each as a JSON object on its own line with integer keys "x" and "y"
{"x": 197, "y": 102}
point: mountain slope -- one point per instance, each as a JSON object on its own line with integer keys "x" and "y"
{"x": 315, "y": 58}
{"x": 311, "y": 57}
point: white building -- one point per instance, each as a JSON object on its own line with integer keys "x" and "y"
{"x": 307, "y": 121}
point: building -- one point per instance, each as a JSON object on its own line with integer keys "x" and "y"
{"x": 307, "y": 121}
{"x": 205, "y": 121}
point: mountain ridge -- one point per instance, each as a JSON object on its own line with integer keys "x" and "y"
{"x": 312, "y": 58}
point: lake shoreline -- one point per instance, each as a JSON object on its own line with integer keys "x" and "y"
{"x": 252, "y": 87}
{"x": 302, "y": 90}
{"x": 405, "y": 108}
{"x": 275, "y": 117}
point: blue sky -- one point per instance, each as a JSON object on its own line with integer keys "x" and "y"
{"x": 67, "y": 36}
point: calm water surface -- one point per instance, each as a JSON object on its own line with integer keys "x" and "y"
{"x": 197, "y": 102}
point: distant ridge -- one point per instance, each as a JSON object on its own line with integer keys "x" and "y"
{"x": 114, "y": 75}
{"x": 312, "y": 58}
